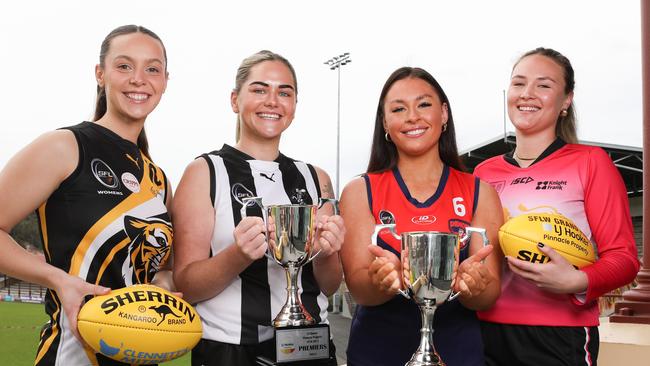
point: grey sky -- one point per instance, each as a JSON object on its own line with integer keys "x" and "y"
{"x": 49, "y": 49}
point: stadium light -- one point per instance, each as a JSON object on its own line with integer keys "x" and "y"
{"x": 335, "y": 63}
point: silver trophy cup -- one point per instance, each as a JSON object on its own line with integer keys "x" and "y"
{"x": 290, "y": 234}
{"x": 429, "y": 265}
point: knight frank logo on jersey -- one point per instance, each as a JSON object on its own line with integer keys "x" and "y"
{"x": 550, "y": 185}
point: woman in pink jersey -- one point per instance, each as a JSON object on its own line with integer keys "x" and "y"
{"x": 415, "y": 173}
{"x": 548, "y": 313}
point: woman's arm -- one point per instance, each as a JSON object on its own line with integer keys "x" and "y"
{"x": 608, "y": 213}
{"x": 27, "y": 181}
{"x": 327, "y": 265}
{"x": 197, "y": 275}
{"x": 372, "y": 276}
{"x": 478, "y": 282}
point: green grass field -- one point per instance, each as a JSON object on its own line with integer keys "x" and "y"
{"x": 20, "y": 325}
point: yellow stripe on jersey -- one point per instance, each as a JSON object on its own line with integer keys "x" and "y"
{"x": 55, "y": 330}
{"x": 110, "y": 256}
{"x": 41, "y": 215}
{"x": 135, "y": 199}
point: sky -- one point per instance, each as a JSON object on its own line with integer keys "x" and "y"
{"x": 48, "y": 50}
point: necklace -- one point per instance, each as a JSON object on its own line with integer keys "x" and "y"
{"x": 524, "y": 159}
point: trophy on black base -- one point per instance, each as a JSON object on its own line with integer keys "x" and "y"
{"x": 291, "y": 233}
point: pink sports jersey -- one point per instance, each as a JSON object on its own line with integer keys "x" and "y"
{"x": 450, "y": 209}
{"x": 581, "y": 183}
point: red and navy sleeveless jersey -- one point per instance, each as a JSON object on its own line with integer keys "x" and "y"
{"x": 389, "y": 333}
{"x": 106, "y": 223}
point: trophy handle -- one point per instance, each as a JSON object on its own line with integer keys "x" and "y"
{"x": 321, "y": 203}
{"x": 373, "y": 240}
{"x": 468, "y": 234}
{"x": 333, "y": 201}
{"x": 249, "y": 201}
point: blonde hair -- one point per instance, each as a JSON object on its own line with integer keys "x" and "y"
{"x": 244, "y": 70}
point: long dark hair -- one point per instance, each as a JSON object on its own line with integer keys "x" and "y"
{"x": 100, "y": 105}
{"x": 383, "y": 154}
{"x": 565, "y": 128}
{"x": 244, "y": 70}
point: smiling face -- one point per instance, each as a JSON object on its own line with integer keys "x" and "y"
{"x": 133, "y": 75}
{"x": 536, "y": 95}
{"x": 266, "y": 102}
{"x": 414, "y": 116}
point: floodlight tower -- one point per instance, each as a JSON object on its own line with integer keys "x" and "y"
{"x": 335, "y": 63}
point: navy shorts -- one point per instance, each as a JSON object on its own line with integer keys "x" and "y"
{"x": 514, "y": 345}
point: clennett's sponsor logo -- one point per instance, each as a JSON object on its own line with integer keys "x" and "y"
{"x": 423, "y": 220}
{"x": 131, "y": 182}
{"x": 104, "y": 174}
{"x": 239, "y": 192}
{"x": 551, "y": 185}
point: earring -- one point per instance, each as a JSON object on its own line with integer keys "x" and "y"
{"x": 387, "y": 137}
{"x": 564, "y": 113}
{"x": 444, "y": 127}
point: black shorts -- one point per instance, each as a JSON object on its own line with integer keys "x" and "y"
{"x": 514, "y": 345}
{"x": 213, "y": 353}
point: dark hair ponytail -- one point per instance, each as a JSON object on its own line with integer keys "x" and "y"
{"x": 101, "y": 104}
{"x": 383, "y": 153}
{"x": 566, "y": 127}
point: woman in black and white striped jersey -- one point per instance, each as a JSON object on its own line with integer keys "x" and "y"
{"x": 219, "y": 257}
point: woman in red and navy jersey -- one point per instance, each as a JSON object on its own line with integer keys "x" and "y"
{"x": 415, "y": 173}
{"x": 548, "y": 313}
{"x": 101, "y": 201}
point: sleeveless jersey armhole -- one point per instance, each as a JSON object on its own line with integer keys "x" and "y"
{"x": 80, "y": 161}
{"x": 477, "y": 186}
{"x": 213, "y": 178}
{"x": 314, "y": 175}
{"x": 166, "y": 182}
{"x": 368, "y": 191}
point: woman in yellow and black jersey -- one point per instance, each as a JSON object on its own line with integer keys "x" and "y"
{"x": 101, "y": 201}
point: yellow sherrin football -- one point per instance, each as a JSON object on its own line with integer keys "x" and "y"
{"x": 520, "y": 235}
{"x": 140, "y": 324}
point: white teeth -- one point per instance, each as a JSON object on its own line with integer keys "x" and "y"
{"x": 137, "y": 96}
{"x": 269, "y": 115}
{"x": 528, "y": 108}
{"x": 415, "y": 132}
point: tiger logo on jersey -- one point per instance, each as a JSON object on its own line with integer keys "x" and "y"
{"x": 149, "y": 248}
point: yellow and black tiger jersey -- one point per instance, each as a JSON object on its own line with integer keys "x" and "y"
{"x": 106, "y": 223}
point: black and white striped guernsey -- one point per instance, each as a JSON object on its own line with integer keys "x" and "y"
{"x": 243, "y": 311}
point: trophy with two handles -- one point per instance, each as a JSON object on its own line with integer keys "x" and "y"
{"x": 430, "y": 261}
{"x": 291, "y": 231}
